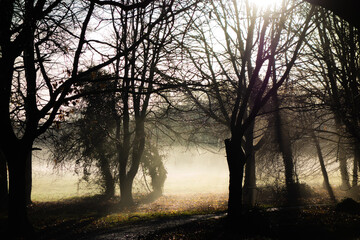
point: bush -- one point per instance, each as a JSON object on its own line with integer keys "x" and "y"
{"x": 348, "y": 205}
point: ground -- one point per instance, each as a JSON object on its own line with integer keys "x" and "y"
{"x": 200, "y": 216}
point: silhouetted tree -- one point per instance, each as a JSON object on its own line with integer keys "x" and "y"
{"x": 334, "y": 65}
{"x": 3, "y": 183}
{"x": 153, "y": 166}
{"x": 32, "y": 35}
{"x": 227, "y": 69}
{"x": 136, "y": 78}
{"x": 84, "y": 137}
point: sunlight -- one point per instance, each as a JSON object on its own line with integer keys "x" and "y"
{"x": 265, "y": 3}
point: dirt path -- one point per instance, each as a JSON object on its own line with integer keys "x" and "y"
{"x": 142, "y": 229}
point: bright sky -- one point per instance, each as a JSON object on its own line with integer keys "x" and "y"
{"x": 265, "y": 3}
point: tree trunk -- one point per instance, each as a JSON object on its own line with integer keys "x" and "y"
{"x": 3, "y": 183}
{"x": 249, "y": 194}
{"x": 126, "y": 192}
{"x": 19, "y": 224}
{"x": 127, "y": 177}
{"x": 356, "y": 164}
{"x": 236, "y": 161}
{"x": 323, "y": 168}
{"x": 284, "y": 142}
{"x": 345, "y": 180}
{"x": 342, "y": 158}
{"x": 109, "y": 183}
{"x": 250, "y": 182}
{"x": 28, "y": 176}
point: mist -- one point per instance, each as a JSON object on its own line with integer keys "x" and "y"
{"x": 190, "y": 170}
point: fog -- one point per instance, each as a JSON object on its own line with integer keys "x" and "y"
{"x": 190, "y": 171}
{"x": 196, "y": 170}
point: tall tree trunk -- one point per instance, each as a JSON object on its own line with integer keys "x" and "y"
{"x": 28, "y": 176}
{"x": 127, "y": 176}
{"x": 17, "y": 157}
{"x": 126, "y": 185}
{"x": 345, "y": 179}
{"x": 356, "y": 163}
{"x": 236, "y": 161}
{"x": 250, "y": 169}
{"x": 323, "y": 168}
{"x": 3, "y": 183}
{"x": 7, "y": 58}
{"x": 342, "y": 158}
{"x": 284, "y": 142}
{"x": 109, "y": 183}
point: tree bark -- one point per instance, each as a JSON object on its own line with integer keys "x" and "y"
{"x": 236, "y": 161}
{"x": 249, "y": 195}
{"x": 3, "y": 183}
{"x": 342, "y": 158}
{"x": 28, "y": 176}
{"x": 323, "y": 168}
{"x": 284, "y": 142}
{"x": 126, "y": 185}
{"x": 356, "y": 164}
{"x": 345, "y": 179}
{"x": 126, "y": 177}
{"x": 109, "y": 183}
{"x": 17, "y": 157}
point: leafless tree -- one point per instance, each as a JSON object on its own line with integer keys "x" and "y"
{"x": 50, "y": 41}
{"x": 331, "y": 67}
{"x": 227, "y": 67}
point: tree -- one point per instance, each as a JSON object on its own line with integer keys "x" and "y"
{"x": 153, "y": 166}
{"x": 312, "y": 118}
{"x": 334, "y": 65}
{"x": 32, "y": 35}
{"x": 83, "y": 137}
{"x": 228, "y": 76}
{"x": 323, "y": 168}
{"x": 135, "y": 76}
{"x": 87, "y": 138}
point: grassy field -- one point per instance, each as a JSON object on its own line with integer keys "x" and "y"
{"x": 86, "y": 216}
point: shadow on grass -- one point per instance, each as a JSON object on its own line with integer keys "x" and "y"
{"x": 286, "y": 223}
{"x": 71, "y": 217}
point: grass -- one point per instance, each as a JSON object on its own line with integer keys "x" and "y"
{"x": 312, "y": 223}
{"x": 86, "y": 215}
{"x": 71, "y": 218}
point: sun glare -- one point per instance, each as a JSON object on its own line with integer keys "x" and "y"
{"x": 265, "y": 3}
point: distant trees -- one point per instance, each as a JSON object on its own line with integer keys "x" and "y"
{"x": 341, "y": 69}
{"x": 87, "y": 139}
{"x": 331, "y": 73}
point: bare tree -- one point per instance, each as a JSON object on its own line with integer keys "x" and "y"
{"x": 333, "y": 62}
{"x": 227, "y": 68}
{"x": 135, "y": 76}
{"x": 33, "y": 36}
